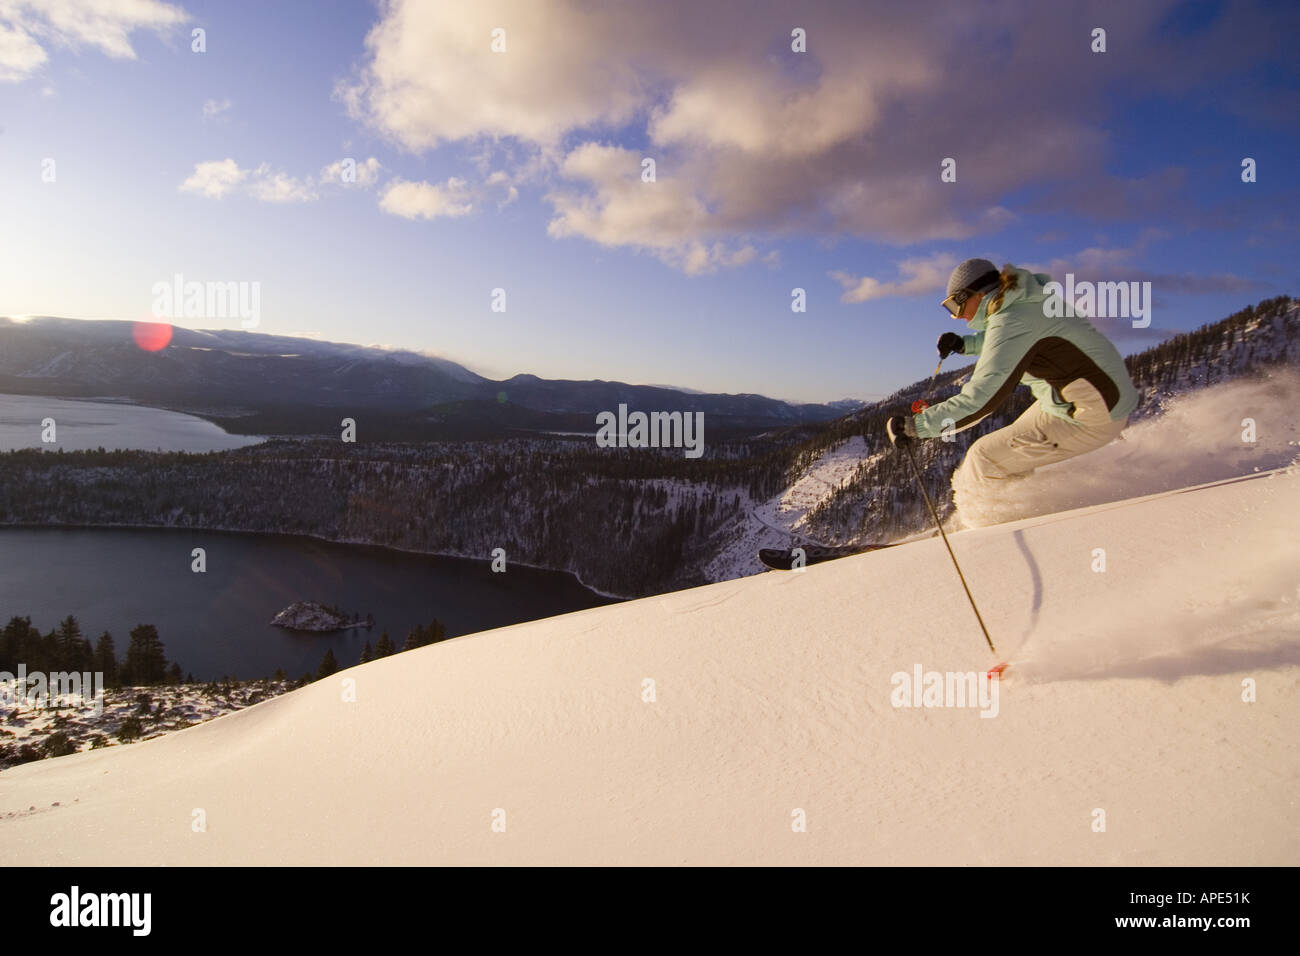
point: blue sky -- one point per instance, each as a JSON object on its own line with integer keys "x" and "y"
{"x": 520, "y": 169}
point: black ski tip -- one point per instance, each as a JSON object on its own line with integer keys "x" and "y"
{"x": 783, "y": 559}
{"x": 779, "y": 559}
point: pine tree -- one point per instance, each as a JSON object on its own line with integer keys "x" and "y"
{"x": 328, "y": 665}
{"x": 69, "y": 644}
{"x": 130, "y": 730}
{"x": 85, "y": 655}
{"x": 384, "y": 646}
{"x": 58, "y": 745}
{"x": 145, "y": 661}
{"x": 106, "y": 659}
{"x": 49, "y": 655}
{"x": 367, "y": 654}
{"x": 13, "y": 642}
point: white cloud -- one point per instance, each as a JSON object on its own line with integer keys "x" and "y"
{"x": 217, "y": 178}
{"x": 757, "y": 111}
{"x": 20, "y": 54}
{"x": 433, "y": 76}
{"x": 214, "y": 178}
{"x": 499, "y": 184}
{"x": 366, "y": 172}
{"x": 419, "y": 200}
{"x": 915, "y": 277}
{"x": 611, "y": 205}
{"x": 27, "y": 27}
{"x": 698, "y": 258}
{"x": 271, "y": 185}
{"x": 213, "y": 109}
{"x": 456, "y": 197}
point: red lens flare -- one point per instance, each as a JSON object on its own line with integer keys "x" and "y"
{"x": 152, "y": 336}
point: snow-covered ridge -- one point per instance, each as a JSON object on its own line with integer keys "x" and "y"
{"x": 696, "y": 726}
{"x": 780, "y": 521}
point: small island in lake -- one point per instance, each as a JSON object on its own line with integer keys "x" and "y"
{"x": 310, "y": 616}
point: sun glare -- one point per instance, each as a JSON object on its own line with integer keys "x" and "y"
{"x": 152, "y": 336}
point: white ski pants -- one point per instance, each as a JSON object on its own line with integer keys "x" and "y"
{"x": 1035, "y": 439}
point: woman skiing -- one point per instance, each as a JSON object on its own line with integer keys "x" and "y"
{"x": 1084, "y": 391}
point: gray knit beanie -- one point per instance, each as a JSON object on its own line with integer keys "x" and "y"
{"x": 977, "y": 275}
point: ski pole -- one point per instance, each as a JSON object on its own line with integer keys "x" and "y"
{"x": 935, "y": 515}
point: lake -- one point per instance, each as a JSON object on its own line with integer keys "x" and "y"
{"x": 82, "y": 426}
{"x": 216, "y": 623}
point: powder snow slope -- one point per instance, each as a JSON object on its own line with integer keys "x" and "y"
{"x": 773, "y": 694}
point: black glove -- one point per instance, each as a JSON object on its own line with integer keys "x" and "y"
{"x": 896, "y": 429}
{"x": 951, "y": 342}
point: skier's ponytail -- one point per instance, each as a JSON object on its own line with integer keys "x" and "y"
{"x": 1007, "y": 280}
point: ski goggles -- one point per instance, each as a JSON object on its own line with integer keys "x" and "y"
{"x": 957, "y": 301}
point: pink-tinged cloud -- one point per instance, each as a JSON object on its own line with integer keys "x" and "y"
{"x": 754, "y": 141}
{"x": 29, "y": 27}
{"x": 414, "y": 200}
{"x": 915, "y": 277}
{"x": 215, "y": 179}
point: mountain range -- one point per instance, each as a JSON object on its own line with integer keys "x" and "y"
{"x": 252, "y": 382}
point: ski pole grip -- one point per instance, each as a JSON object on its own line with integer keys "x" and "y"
{"x": 919, "y": 406}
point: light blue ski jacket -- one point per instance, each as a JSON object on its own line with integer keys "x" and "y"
{"x": 1020, "y": 343}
